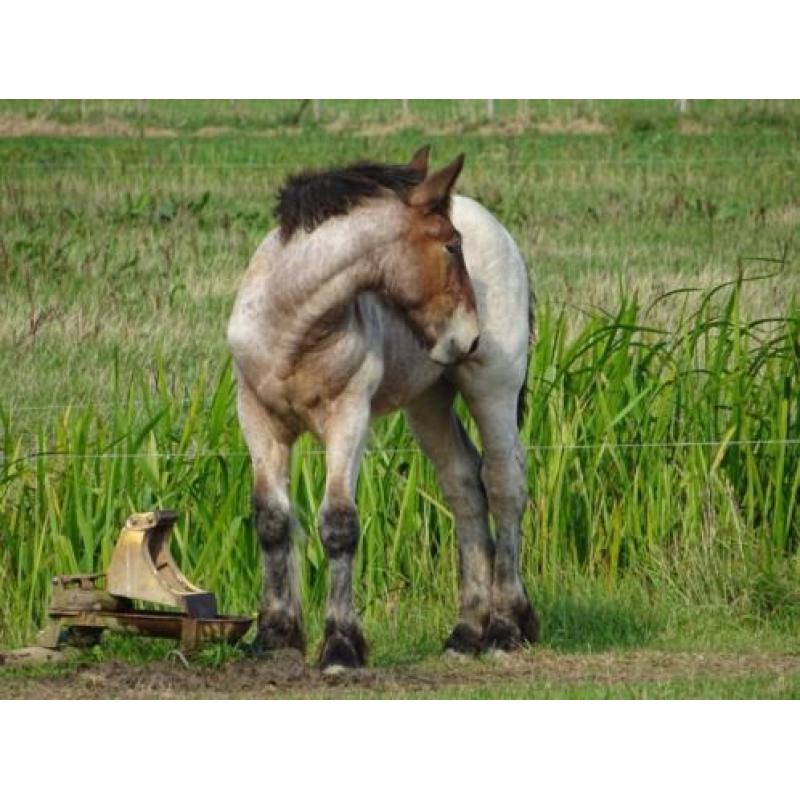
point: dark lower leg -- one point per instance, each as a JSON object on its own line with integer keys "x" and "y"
{"x": 280, "y": 622}
{"x": 475, "y": 556}
{"x": 462, "y": 487}
{"x": 344, "y": 644}
{"x": 513, "y": 620}
{"x": 457, "y": 463}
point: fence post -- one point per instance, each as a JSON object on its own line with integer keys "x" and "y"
{"x": 317, "y": 106}
{"x": 490, "y": 109}
{"x": 682, "y": 106}
{"x": 405, "y": 107}
{"x": 141, "y": 110}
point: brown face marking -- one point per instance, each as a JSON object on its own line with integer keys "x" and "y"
{"x": 434, "y": 281}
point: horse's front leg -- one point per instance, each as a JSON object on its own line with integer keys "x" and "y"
{"x": 280, "y": 621}
{"x": 345, "y": 435}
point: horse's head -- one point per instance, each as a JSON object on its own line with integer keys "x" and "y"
{"x": 430, "y": 283}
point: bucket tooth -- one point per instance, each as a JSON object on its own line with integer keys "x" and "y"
{"x": 142, "y": 567}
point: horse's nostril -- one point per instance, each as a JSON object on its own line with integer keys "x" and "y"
{"x": 474, "y": 345}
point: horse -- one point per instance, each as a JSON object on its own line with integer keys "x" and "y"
{"x": 381, "y": 290}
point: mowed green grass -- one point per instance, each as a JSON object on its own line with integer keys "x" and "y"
{"x": 594, "y": 646}
{"x": 663, "y": 470}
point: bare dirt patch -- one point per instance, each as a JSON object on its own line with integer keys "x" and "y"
{"x": 212, "y": 131}
{"x": 288, "y": 675}
{"x": 578, "y": 125}
{"x": 17, "y": 125}
{"x": 785, "y": 215}
{"x": 509, "y": 126}
{"x": 691, "y": 127}
{"x": 343, "y": 123}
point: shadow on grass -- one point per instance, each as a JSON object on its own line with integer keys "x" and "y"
{"x": 575, "y": 618}
{"x": 579, "y": 620}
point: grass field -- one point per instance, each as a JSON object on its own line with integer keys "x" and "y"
{"x": 664, "y": 413}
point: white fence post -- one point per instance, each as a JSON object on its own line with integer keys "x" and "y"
{"x": 317, "y": 106}
{"x": 490, "y": 108}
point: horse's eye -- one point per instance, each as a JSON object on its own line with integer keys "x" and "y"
{"x": 453, "y": 247}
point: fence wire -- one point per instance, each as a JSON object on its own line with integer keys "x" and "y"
{"x": 379, "y": 451}
{"x": 504, "y": 158}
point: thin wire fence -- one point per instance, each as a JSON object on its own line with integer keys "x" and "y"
{"x": 144, "y": 115}
{"x": 378, "y": 451}
{"x": 504, "y": 158}
{"x": 88, "y": 404}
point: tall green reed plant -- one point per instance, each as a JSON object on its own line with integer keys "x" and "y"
{"x": 665, "y": 456}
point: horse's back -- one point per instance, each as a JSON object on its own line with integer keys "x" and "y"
{"x": 500, "y": 280}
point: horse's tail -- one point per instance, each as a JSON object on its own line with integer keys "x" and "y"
{"x": 522, "y": 397}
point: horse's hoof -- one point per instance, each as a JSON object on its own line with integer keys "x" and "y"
{"x": 501, "y": 656}
{"x": 503, "y": 634}
{"x": 344, "y": 648}
{"x": 334, "y": 671}
{"x": 464, "y": 640}
{"x": 456, "y": 656}
{"x": 513, "y": 632}
{"x": 279, "y": 633}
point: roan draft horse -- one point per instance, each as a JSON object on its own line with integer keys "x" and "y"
{"x": 379, "y": 291}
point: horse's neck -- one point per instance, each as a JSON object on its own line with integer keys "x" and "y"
{"x": 322, "y": 272}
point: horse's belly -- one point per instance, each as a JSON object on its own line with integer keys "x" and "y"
{"x": 398, "y": 389}
{"x": 406, "y": 369}
{"x": 407, "y": 372}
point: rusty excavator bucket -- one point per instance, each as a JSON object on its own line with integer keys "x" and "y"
{"x": 141, "y": 570}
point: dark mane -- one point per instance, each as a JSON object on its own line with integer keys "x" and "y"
{"x": 308, "y": 199}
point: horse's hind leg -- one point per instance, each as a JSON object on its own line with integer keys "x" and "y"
{"x": 444, "y": 440}
{"x": 280, "y": 623}
{"x": 345, "y": 435}
{"x": 513, "y": 620}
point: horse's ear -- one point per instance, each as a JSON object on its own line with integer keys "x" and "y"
{"x": 419, "y": 161}
{"x": 436, "y": 188}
